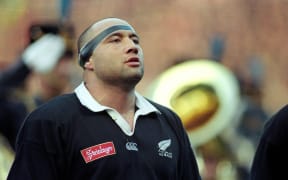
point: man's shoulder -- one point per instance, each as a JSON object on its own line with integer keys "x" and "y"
{"x": 160, "y": 107}
{"x": 277, "y": 124}
{"x": 167, "y": 112}
{"x": 61, "y": 100}
{"x": 280, "y": 117}
{"x": 61, "y": 104}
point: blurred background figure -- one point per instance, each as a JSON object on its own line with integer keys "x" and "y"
{"x": 43, "y": 71}
{"x": 221, "y": 110}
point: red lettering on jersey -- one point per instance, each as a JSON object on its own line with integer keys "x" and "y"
{"x": 98, "y": 151}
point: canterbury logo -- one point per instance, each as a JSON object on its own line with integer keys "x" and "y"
{"x": 163, "y": 145}
{"x": 98, "y": 151}
{"x": 131, "y": 146}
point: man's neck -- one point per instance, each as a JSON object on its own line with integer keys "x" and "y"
{"x": 115, "y": 97}
{"x": 122, "y": 101}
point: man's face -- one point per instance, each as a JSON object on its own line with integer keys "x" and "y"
{"x": 118, "y": 57}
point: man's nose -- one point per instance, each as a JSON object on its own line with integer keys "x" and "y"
{"x": 132, "y": 47}
{"x": 133, "y": 50}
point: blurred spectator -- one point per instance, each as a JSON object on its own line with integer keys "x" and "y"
{"x": 271, "y": 155}
{"x": 41, "y": 72}
{"x": 46, "y": 59}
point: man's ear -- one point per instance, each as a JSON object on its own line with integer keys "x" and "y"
{"x": 88, "y": 65}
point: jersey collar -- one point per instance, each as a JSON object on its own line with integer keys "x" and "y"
{"x": 87, "y": 100}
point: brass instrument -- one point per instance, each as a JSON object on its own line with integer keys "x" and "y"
{"x": 204, "y": 93}
{"x": 206, "y": 96}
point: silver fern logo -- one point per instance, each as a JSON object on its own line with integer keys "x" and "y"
{"x": 163, "y": 145}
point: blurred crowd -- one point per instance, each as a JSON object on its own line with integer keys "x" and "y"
{"x": 43, "y": 70}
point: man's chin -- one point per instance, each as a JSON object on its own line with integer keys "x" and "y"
{"x": 135, "y": 80}
{"x": 131, "y": 82}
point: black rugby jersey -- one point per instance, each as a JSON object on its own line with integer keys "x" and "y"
{"x": 64, "y": 140}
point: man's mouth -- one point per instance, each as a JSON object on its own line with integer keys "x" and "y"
{"x": 133, "y": 62}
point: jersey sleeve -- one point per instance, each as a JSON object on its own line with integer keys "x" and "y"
{"x": 37, "y": 150}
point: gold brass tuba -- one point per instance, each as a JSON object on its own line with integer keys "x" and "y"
{"x": 204, "y": 93}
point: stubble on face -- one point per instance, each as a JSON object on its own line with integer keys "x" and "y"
{"x": 121, "y": 76}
